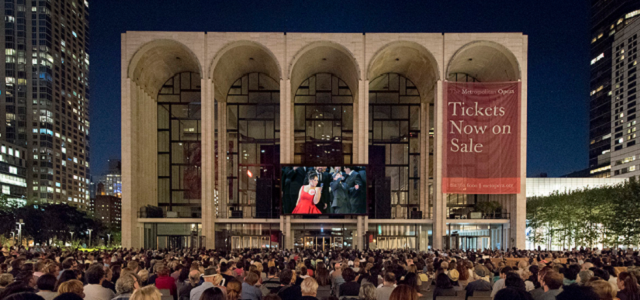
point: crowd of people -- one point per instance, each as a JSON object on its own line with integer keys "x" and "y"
{"x": 336, "y": 274}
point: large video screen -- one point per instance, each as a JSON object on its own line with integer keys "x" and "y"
{"x": 322, "y": 190}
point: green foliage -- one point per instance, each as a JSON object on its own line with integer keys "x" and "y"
{"x": 50, "y": 223}
{"x": 606, "y": 215}
{"x": 488, "y": 207}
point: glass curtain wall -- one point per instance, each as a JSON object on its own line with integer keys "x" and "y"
{"x": 253, "y": 138}
{"x": 394, "y": 128}
{"x": 323, "y": 112}
{"x": 179, "y": 128}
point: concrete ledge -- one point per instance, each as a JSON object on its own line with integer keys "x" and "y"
{"x": 477, "y": 221}
{"x": 169, "y": 220}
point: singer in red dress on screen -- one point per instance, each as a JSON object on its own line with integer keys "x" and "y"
{"x": 308, "y": 197}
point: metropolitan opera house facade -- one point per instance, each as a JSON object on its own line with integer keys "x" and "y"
{"x": 210, "y": 118}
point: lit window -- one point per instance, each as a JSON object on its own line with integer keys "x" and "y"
{"x": 13, "y": 170}
{"x": 6, "y": 189}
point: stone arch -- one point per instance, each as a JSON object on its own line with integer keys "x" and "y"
{"x": 238, "y": 58}
{"x": 156, "y": 61}
{"x": 485, "y": 61}
{"x": 408, "y": 59}
{"x": 324, "y": 57}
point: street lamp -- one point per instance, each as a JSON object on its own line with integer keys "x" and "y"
{"x": 71, "y": 236}
{"x": 109, "y": 239}
{"x": 20, "y": 223}
{"x": 90, "y": 236}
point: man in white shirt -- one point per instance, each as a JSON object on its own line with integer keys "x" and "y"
{"x": 94, "y": 290}
{"x": 500, "y": 283}
{"x": 208, "y": 283}
{"x": 384, "y": 291}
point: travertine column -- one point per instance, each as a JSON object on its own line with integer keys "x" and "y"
{"x": 128, "y": 112}
{"x": 223, "y": 197}
{"x": 208, "y": 156}
{"x": 439, "y": 204}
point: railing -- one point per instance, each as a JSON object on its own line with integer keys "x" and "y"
{"x": 480, "y": 216}
{"x": 168, "y": 214}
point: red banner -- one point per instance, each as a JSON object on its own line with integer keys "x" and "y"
{"x": 481, "y": 138}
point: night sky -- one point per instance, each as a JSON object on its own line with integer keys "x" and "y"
{"x": 558, "y": 54}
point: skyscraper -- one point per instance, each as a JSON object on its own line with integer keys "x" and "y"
{"x": 44, "y": 105}
{"x": 607, "y": 17}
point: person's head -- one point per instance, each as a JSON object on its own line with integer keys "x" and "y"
{"x": 367, "y": 292}
{"x": 389, "y": 278}
{"x": 309, "y": 287}
{"x": 322, "y": 277}
{"x": 72, "y": 286}
{"x": 224, "y": 268}
{"x": 234, "y": 290}
{"x": 514, "y": 280}
{"x": 313, "y": 179}
{"x": 95, "y": 274}
{"x": 6, "y": 279}
{"x": 443, "y": 281}
{"x": 404, "y": 292}
{"x": 552, "y": 280}
{"x": 127, "y": 284}
{"x": 273, "y": 271}
{"x": 627, "y": 283}
{"x": 602, "y": 274}
{"x": 149, "y": 292}
{"x": 505, "y": 271}
{"x": 271, "y": 297}
{"x": 47, "y": 282}
{"x": 143, "y": 275}
{"x": 348, "y": 275}
{"x": 213, "y": 293}
{"x": 585, "y": 275}
{"x": 133, "y": 265}
{"x": 68, "y": 263}
{"x": 251, "y": 278}
{"x": 67, "y": 296}
{"x": 574, "y": 291}
{"x": 603, "y": 288}
{"x": 285, "y": 276}
{"x": 587, "y": 266}
{"x": 164, "y": 271}
{"x": 194, "y": 277}
{"x": 511, "y": 294}
{"x": 572, "y": 272}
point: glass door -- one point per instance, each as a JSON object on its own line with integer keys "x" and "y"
{"x": 310, "y": 242}
{"x": 236, "y": 242}
{"x": 338, "y": 242}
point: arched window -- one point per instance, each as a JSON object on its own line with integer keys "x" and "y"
{"x": 394, "y": 133}
{"x": 253, "y": 138}
{"x": 323, "y": 113}
{"x": 179, "y": 121}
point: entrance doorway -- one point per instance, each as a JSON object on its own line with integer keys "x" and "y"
{"x": 323, "y": 243}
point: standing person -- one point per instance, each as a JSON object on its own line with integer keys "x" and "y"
{"x": 94, "y": 289}
{"x": 296, "y": 176}
{"x": 324, "y": 180}
{"x": 108, "y": 276}
{"x": 353, "y": 184}
{"x": 443, "y": 286}
{"x": 309, "y": 196}
{"x": 367, "y": 292}
{"x": 350, "y": 287}
{"x": 340, "y": 199}
{"x": 185, "y": 291}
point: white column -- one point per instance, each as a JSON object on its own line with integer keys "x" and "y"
{"x": 288, "y": 234}
{"x": 439, "y": 204}
{"x": 208, "y": 162}
{"x": 359, "y": 243}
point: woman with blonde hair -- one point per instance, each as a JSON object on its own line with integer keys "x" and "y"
{"x": 149, "y": 292}
{"x": 234, "y": 290}
{"x": 72, "y": 286}
{"x": 367, "y": 292}
{"x": 604, "y": 289}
